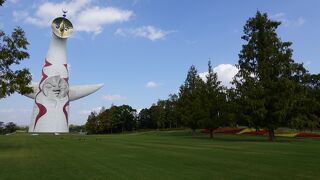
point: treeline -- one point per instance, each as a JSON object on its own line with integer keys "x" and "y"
{"x": 124, "y": 118}
{"x": 7, "y": 128}
{"x": 269, "y": 91}
{"x": 113, "y": 120}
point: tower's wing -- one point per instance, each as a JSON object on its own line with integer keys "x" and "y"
{"x": 77, "y": 92}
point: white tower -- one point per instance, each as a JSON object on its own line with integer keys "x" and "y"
{"x": 53, "y": 94}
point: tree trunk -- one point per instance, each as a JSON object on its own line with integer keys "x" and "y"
{"x": 193, "y": 132}
{"x": 211, "y": 132}
{"x": 271, "y": 135}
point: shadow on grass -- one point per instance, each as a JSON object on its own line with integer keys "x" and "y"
{"x": 238, "y": 138}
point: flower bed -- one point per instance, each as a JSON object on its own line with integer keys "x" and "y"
{"x": 224, "y": 130}
{"x": 288, "y": 134}
{"x": 204, "y": 131}
{"x": 259, "y": 132}
{"x": 228, "y": 130}
{"x": 245, "y": 130}
{"x": 303, "y": 134}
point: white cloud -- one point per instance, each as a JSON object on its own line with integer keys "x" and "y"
{"x": 152, "y": 84}
{"x": 225, "y": 73}
{"x": 150, "y": 32}
{"x": 203, "y": 75}
{"x": 46, "y": 12}
{"x": 20, "y": 15}
{"x": 288, "y": 22}
{"x": 92, "y": 19}
{"x": 20, "y": 116}
{"x": 114, "y": 97}
{"x": 82, "y": 13}
{"x": 120, "y": 32}
{"x": 86, "y": 112}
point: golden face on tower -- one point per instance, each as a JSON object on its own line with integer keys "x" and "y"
{"x": 62, "y": 27}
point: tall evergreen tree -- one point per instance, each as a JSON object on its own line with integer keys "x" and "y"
{"x": 189, "y": 104}
{"x": 267, "y": 77}
{"x": 212, "y": 101}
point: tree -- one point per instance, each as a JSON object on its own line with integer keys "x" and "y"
{"x": 116, "y": 119}
{"x": 127, "y": 118}
{"x": 230, "y": 109}
{"x": 165, "y": 112}
{"x": 122, "y": 118}
{"x": 306, "y": 114}
{"x": 1, "y": 127}
{"x": 92, "y": 124}
{"x": 157, "y": 114}
{"x": 10, "y": 127}
{"x": 76, "y": 128}
{"x": 173, "y": 117}
{"x": 189, "y": 104}
{"x": 213, "y": 100}
{"x": 12, "y": 51}
{"x": 267, "y": 80}
{"x": 144, "y": 119}
{"x": 105, "y": 125}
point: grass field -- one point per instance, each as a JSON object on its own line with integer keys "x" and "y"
{"x": 157, "y": 155}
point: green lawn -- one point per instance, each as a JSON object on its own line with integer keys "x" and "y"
{"x": 157, "y": 155}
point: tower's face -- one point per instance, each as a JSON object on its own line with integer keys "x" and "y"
{"x": 55, "y": 87}
{"x": 62, "y": 27}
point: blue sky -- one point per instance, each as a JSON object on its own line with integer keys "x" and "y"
{"x": 142, "y": 49}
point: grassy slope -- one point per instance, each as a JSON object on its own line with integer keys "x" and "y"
{"x": 157, "y": 155}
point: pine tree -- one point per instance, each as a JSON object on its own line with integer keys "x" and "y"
{"x": 267, "y": 77}
{"x": 212, "y": 101}
{"x": 189, "y": 104}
